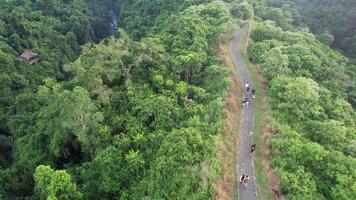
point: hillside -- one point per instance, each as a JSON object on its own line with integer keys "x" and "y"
{"x": 312, "y": 149}
{"x": 142, "y": 112}
{"x": 125, "y": 115}
{"x": 331, "y": 22}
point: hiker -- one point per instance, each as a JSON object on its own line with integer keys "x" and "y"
{"x": 247, "y": 86}
{"x": 242, "y": 178}
{"x": 277, "y": 194}
{"x": 253, "y": 93}
{"x": 245, "y": 182}
{"x": 245, "y": 102}
{"x": 253, "y": 149}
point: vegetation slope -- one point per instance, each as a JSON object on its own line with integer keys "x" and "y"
{"x": 136, "y": 116}
{"x": 313, "y": 148}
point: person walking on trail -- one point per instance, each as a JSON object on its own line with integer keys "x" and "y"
{"x": 245, "y": 102}
{"x": 245, "y": 182}
{"x": 253, "y": 149}
{"x": 247, "y": 86}
{"x": 242, "y": 178}
{"x": 253, "y": 93}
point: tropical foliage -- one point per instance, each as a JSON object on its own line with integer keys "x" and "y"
{"x": 125, "y": 119}
{"x": 313, "y": 149}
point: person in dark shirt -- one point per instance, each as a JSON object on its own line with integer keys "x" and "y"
{"x": 245, "y": 102}
{"x": 253, "y": 149}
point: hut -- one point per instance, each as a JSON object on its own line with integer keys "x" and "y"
{"x": 29, "y": 57}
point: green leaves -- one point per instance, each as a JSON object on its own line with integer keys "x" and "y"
{"x": 295, "y": 99}
{"x": 265, "y": 31}
{"x": 275, "y": 64}
{"x": 257, "y": 50}
{"x": 66, "y": 115}
{"x": 55, "y": 185}
{"x": 214, "y": 13}
{"x": 314, "y": 134}
{"x": 242, "y": 10}
{"x": 127, "y": 115}
{"x": 325, "y": 38}
{"x": 330, "y": 134}
{"x": 300, "y": 185}
{"x": 300, "y": 161}
{"x": 177, "y": 165}
{"x": 80, "y": 114}
{"x": 140, "y": 17}
{"x": 157, "y": 112}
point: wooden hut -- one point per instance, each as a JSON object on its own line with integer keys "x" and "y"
{"x": 29, "y": 57}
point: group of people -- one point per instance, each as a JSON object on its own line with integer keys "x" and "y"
{"x": 244, "y": 181}
{"x": 245, "y": 178}
{"x": 253, "y": 92}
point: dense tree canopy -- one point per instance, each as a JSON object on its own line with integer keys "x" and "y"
{"x": 242, "y": 10}
{"x": 53, "y": 185}
{"x": 135, "y": 110}
{"x": 52, "y": 29}
{"x": 136, "y": 114}
{"x": 308, "y": 92}
{"x": 333, "y": 22}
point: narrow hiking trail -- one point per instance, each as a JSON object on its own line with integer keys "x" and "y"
{"x": 245, "y": 160}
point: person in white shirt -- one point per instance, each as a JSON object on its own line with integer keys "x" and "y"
{"x": 247, "y": 86}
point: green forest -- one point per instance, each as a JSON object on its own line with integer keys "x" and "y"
{"x": 332, "y": 22}
{"x": 102, "y": 117}
{"x": 137, "y": 113}
{"x": 311, "y": 95}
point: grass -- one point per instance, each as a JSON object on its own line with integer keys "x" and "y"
{"x": 260, "y": 115}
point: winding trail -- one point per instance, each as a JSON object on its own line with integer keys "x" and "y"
{"x": 245, "y": 160}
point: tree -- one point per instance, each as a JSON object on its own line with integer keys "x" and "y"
{"x": 265, "y": 31}
{"x": 127, "y": 114}
{"x": 5, "y": 149}
{"x": 332, "y": 21}
{"x": 275, "y": 64}
{"x": 277, "y": 15}
{"x": 351, "y": 85}
{"x": 112, "y": 171}
{"x": 312, "y": 64}
{"x": 295, "y": 99}
{"x": 177, "y": 164}
{"x": 242, "y": 10}
{"x": 214, "y": 79}
{"x": 158, "y": 112}
{"x": 213, "y": 13}
{"x": 299, "y": 185}
{"x": 330, "y": 134}
{"x": 55, "y": 184}
{"x": 325, "y": 38}
{"x": 313, "y": 135}
{"x": 258, "y": 49}
{"x": 67, "y": 114}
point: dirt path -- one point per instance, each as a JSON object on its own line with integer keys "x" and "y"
{"x": 245, "y": 160}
